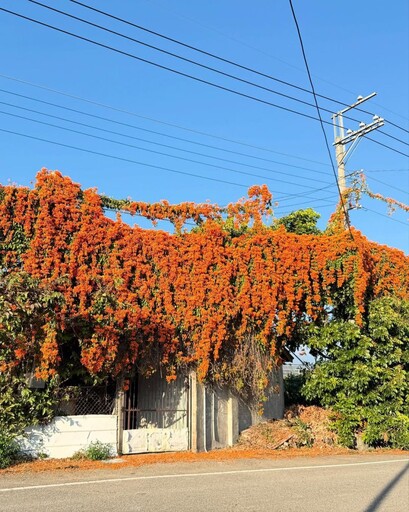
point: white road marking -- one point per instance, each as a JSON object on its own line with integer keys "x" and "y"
{"x": 192, "y": 475}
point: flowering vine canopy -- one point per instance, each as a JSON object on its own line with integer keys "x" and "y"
{"x": 136, "y": 296}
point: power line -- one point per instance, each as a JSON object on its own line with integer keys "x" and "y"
{"x": 289, "y": 197}
{"x": 246, "y": 44}
{"x": 386, "y": 216}
{"x": 406, "y": 192}
{"x": 305, "y": 194}
{"x": 319, "y": 115}
{"x": 386, "y": 146}
{"x": 248, "y": 82}
{"x": 397, "y": 126}
{"x": 295, "y": 209}
{"x": 195, "y": 48}
{"x": 185, "y": 59}
{"x": 154, "y": 132}
{"x": 393, "y": 137}
{"x": 297, "y": 203}
{"x": 134, "y": 161}
{"x": 236, "y": 171}
{"x": 158, "y": 121}
{"x": 122, "y": 159}
{"x": 173, "y": 70}
{"x": 209, "y": 54}
{"x": 161, "y": 66}
{"x": 138, "y": 58}
{"x": 386, "y": 170}
{"x": 285, "y": 197}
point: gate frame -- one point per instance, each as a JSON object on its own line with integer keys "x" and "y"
{"x": 121, "y": 411}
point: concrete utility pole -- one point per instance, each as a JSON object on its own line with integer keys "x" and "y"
{"x": 352, "y": 137}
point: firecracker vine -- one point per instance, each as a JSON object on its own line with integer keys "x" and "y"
{"x": 392, "y": 203}
{"x": 194, "y": 299}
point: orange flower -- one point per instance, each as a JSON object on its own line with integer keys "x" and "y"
{"x": 190, "y": 297}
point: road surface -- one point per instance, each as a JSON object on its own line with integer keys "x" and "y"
{"x": 330, "y": 484}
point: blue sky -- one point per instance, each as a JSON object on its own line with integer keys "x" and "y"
{"x": 352, "y": 47}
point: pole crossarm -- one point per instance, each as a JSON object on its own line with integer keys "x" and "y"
{"x": 352, "y": 137}
{"x": 363, "y": 130}
{"x": 359, "y": 100}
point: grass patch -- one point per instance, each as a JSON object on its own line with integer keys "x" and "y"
{"x": 94, "y": 451}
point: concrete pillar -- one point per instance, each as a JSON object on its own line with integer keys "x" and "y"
{"x": 232, "y": 419}
{"x": 193, "y": 389}
{"x": 119, "y": 406}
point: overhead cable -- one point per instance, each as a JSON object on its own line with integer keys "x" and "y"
{"x": 159, "y": 121}
{"x": 155, "y": 133}
{"x": 212, "y": 55}
{"x": 161, "y": 66}
{"x": 321, "y": 122}
{"x": 236, "y": 171}
{"x": 122, "y": 159}
{"x": 218, "y": 57}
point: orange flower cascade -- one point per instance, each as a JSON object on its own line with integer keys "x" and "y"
{"x": 195, "y": 295}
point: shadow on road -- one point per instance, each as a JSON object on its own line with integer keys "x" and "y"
{"x": 377, "y": 501}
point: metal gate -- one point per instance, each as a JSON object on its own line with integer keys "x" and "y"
{"x": 156, "y": 415}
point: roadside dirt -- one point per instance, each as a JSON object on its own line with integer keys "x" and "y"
{"x": 301, "y": 426}
{"x": 168, "y": 458}
{"x": 279, "y": 439}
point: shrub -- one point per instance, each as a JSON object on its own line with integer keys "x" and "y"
{"x": 293, "y": 385}
{"x": 363, "y": 375}
{"x": 392, "y": 431}
{"x": 304, "y": 433}
{"x": 94, "y": 451}
{"x": 9, "y": 451}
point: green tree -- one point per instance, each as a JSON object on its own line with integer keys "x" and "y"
{"x": 363, "y": 374}
{"x": 301, "y": 222}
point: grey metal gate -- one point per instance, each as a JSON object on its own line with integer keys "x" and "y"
{"x": 156, "y": 415}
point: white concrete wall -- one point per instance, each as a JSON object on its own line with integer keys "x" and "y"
{"x": 65, "y": 435}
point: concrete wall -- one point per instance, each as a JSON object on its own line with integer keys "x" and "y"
{"x": 65, "y": 435}
{"x": 218, "y": 416}
{"x": 273, "y": 408}
{"x": 211, "y": 410}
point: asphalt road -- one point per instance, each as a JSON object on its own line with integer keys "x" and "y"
{"x": 330, "y": 484}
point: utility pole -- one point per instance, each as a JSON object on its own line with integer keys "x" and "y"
{"x": 351, "y": 138}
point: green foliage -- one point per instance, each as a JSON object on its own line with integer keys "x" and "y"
{"x": 233, "y": 230}
{"x": 18, "y": 243}
{"x": 363, "y": 374}
{"x": 94, "y": 451}
{"x": 301, "y": 222}
{"x": 229, "y": 226}
{"x": 24, "y": 309}
{"x": 21, "y": 406}
{"x": 293, "y": 384}
{"x": 385, "y": 431}
{"x": 9, "y": 450}
{"x": 347, "y": 423}
{"x": 304, "y": 433}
